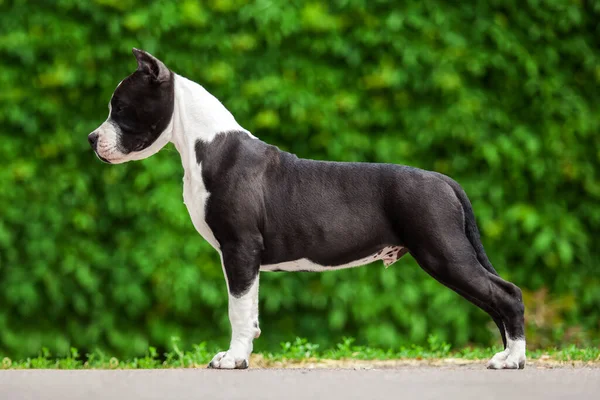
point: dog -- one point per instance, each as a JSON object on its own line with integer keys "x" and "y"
{"x": 264, "y": 209}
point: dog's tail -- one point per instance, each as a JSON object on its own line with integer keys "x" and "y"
{"x": 470, "y": 225}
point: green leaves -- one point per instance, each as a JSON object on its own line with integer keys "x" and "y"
{"x": 501, "y": 95}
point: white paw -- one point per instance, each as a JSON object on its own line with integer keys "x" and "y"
{"x": 497, "y": 362}
{"x": 515, "y": 361}
{"x": 226, "y": 360}
{"x": 513, "y": 357}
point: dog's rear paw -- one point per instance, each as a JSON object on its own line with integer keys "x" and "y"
{"x": 510, "y": 358}
{"x": 506, "y": 364}
{"x": 226, "y": 360}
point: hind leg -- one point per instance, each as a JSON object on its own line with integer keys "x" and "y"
{"x": 485, "y": 307}
{"x": 453, "y": 262}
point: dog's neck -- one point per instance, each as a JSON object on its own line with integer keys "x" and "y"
{"x": 197, "y": 115}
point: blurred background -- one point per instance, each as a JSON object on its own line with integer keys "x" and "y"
{"x": 501, "y": 95}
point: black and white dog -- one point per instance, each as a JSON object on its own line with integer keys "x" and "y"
{"x": 263, "y": 209}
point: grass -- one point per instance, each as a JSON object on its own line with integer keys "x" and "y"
{"x": 298, "y": 351}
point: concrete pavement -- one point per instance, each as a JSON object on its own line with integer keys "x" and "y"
{"x": 289, "y": 384}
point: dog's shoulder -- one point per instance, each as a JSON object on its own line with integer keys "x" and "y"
{"x": 233, "y": 155}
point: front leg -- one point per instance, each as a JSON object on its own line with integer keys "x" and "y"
{"x": 241, "y": 265}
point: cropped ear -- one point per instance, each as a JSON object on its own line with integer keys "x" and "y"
{"x": 151, "y": 65}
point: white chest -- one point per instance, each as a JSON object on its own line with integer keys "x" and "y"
{"x": 195, "y": 197}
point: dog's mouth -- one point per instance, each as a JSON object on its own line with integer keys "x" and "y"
{"x": 103, "y": 159}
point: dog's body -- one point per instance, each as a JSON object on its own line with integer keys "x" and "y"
{"x": 265, "y": 209}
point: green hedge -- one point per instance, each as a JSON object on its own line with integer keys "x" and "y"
{"x": 502, "y": 95}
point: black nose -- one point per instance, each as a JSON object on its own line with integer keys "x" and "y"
{"x": 93, "y": 139}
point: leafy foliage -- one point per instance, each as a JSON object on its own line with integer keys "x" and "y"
{"x": 502, "y": 95}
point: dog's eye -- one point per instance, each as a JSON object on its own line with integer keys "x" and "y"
{"x": 119, "y": 107}
{"x": 139, "y": 144}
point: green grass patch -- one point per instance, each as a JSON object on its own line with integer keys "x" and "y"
{"x": 297, "y": 351}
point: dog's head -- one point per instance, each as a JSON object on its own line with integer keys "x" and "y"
{"x": 140, "y": 112}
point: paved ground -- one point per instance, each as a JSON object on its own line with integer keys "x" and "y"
{"x": 286, "y": 384}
